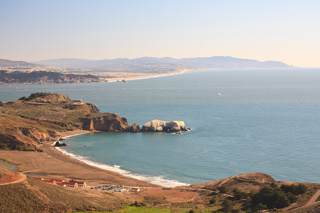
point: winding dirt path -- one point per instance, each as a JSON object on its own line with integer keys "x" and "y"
{"x": 23, "y": 177}
{"x": 314, "y": 198}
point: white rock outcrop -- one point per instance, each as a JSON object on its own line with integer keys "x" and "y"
{"x": 163, "y": 126}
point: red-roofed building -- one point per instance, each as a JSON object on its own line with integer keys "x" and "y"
{"x": 62, "y": 182}
{"x": 80, "y": 184}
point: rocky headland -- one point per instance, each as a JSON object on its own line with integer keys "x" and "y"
{"x": 29, "y": 121}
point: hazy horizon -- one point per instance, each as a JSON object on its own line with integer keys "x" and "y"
{"x": 287, "y": 31}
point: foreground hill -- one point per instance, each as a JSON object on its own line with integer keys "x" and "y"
{"x": 236, "y": 196}
{"x": 27, "y": 122}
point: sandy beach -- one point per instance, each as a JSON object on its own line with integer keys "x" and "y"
{"x": 145, "y": 76}
{"x": 54, "y": 164}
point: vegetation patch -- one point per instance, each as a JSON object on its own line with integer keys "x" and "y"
{"x": 43, "y": 77}
{"x": 274, "y": 197}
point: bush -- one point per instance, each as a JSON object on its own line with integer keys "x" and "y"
{"x": 260, "y": 206}
{"x": 1, "y": 104}
{"x": 227, "y": 205}
{"x": 273, "y": 197}
{"x": 223, "y": 189}
{"x": 238, "y": 194}
{"x": 294, "y": 189}
{"x": 34, "y": 96}
{"x": 213, "y": 201}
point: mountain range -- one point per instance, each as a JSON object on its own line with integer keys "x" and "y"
{"x": 124, "y": 64}
{"x": 146, "y": 64}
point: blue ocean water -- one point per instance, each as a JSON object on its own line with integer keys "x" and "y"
{"x": 242, "y": 121}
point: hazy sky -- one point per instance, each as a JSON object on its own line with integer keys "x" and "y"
{"x": 280, "y": 30}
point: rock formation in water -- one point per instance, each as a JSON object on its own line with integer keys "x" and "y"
{"x": 134, "y": 128}
{"x": 163, "y": 126}
{"x": 106, "y": 122}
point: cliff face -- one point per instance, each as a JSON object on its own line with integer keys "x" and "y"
{"x": 24, "y": 124}
{"x": 106, "y": 122}
{"x": 17, "y": 133}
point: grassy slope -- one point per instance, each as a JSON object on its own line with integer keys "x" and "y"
{"x": 37, "y": 196}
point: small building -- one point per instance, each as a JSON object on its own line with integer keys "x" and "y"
{"x": 80, "y": 184}
{"x": 68, "y": 184}
{"x": 78, "y": 101}
{"x": 135, "y": 189}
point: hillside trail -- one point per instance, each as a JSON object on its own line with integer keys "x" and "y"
{"x": 22, "y": 178}
{"x": 312, "y": 201}
{"x": 314, "y": 198}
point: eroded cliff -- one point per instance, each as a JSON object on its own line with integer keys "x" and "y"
{"x": 27, "y": 122}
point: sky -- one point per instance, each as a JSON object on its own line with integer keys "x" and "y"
{"x": 276, "y": 30}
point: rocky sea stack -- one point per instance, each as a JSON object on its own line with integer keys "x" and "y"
{"x": 164, "y": 126}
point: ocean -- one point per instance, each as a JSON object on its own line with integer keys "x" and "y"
{"x": 242, "y": 121}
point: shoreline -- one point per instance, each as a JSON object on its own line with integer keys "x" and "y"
{"x": 53, "y": 164}
{"x": 116, "y": 79}
{"x": 148, "y": 76}
{"x": 150, "y": 179}
{"x": 116, "y": 175}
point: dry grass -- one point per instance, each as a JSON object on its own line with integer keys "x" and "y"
{"x": 37, "y": 196}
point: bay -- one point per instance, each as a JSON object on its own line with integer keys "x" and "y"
{"x": 242, "y": 121}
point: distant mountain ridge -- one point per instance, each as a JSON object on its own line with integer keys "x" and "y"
{"x": 9, "y": 63}
{"x": 215, "y": 62}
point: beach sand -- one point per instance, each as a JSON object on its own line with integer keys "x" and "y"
{"x": 146, "y": 76}
{"x": 54, "y": 164}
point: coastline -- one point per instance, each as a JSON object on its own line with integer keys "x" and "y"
{"x": 148, "y": 76}
{"x": 150, "y": 179}
{"x": 53, "y": 164}
{"x": 117, "y": 79}
{"x": 62, "y": 165}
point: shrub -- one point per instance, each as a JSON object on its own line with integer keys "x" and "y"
{"x": 1, "y": 104}
{"x": 273, "y": 197}
{"x": 35, "y": 95}
{"x": 213, "y": 201}
{"x": 294, "y": 189}
{"x": 238, "y": 194}
{"x": 223, "y": 189}
{"x": 260, "y": 206}
{"x": 227, "y": 205}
